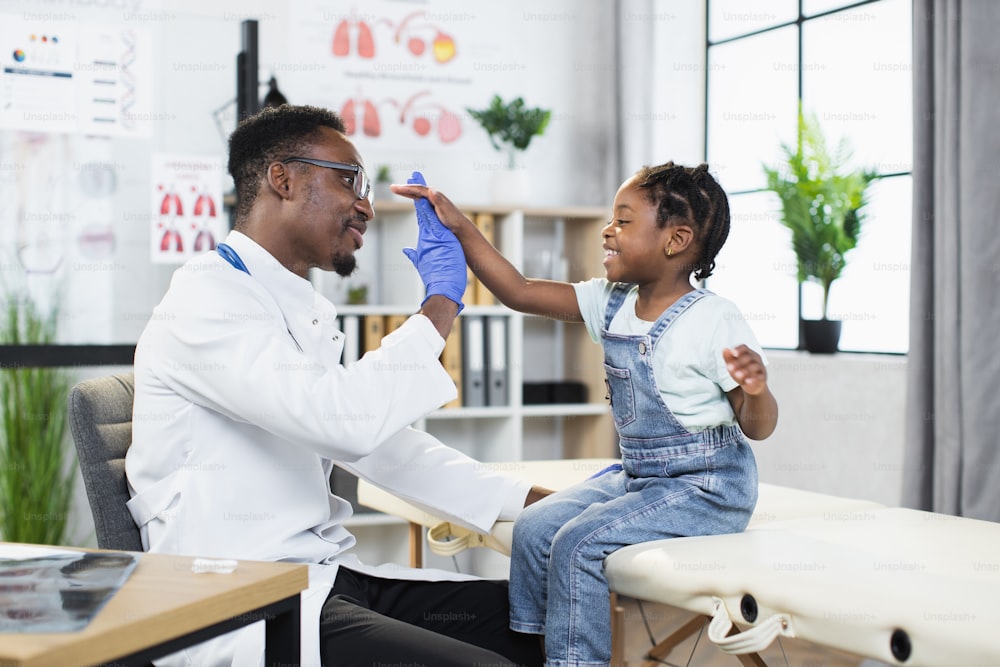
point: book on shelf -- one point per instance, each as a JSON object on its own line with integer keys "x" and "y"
{"x": 451, "y": 359}
{"x": 496, "y": 367}
{"x": 487, "y": 226}
{"x": 473, "y": 361}
{"x": 374, "y": 331}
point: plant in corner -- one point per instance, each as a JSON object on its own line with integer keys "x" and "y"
{"x": 511, "y": 126}
{"x": 36, "y": 470}
{"x": 822, "y": 204}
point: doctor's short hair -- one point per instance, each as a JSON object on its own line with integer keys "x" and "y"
{"x": 272, "y": 134}
{"x": 689, "y": 196}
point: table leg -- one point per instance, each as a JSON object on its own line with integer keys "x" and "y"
{"x": 283, "y": 638}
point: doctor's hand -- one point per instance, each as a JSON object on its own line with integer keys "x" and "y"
{"x": 537, "y": 493}
{"x": 438, "y": 257}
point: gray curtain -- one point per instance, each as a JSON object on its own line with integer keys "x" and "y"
{"x": 953, "y": 408}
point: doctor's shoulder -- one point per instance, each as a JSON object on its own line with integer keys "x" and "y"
{"x": 206, "y": 288}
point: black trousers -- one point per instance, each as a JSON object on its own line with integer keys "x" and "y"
{"x": 370, "y": 622}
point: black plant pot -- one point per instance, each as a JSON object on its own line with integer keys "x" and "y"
{"x": 820, "y": 336}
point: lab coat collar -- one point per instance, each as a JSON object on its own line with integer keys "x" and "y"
{"x": 279, "y": 281}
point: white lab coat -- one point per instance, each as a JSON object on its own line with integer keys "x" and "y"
{"x": 241, "y": 407}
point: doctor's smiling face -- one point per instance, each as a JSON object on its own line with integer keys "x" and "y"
{"x": 332, "y": 205}
{"x": 302, "y": 192}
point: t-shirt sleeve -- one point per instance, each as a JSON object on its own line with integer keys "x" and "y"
{"x": 592, "y": 296}
{"x": 731, "y": 330}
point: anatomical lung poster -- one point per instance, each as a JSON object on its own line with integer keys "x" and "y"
{"x": 400, "y": 73}
{"x": 186, "y": 198}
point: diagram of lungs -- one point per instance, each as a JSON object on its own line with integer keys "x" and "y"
{"x": 365, "y": 109}
{"x": 355, "y": 35}
{"x": 204, "y": 216}
{"x": 419, "y": 114}
{"x": 356, "y": 31}
{"x": 171, "y": 210}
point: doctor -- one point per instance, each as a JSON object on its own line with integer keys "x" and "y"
{"x": 242, "y": 407}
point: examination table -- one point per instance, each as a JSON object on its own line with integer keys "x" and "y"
{"x": 897, "y": 585}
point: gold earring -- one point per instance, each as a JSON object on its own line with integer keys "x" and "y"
{"x": 670, "y": 251}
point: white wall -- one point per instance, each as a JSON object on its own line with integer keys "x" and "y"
{"x": 840, "y": 425}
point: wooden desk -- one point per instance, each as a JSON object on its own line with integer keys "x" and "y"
{"x": 164, "y": 607}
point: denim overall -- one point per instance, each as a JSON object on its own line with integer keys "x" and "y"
{"x": 673, "y": 483}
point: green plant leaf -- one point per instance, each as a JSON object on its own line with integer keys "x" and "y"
{"x": 822, "y": 204}
{"x": 36, "y": 468}
{"x": 511, "y": 125}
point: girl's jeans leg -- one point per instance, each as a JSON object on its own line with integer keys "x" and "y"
{"x": 531, "y": 546}
{"x": 578, "y": 614}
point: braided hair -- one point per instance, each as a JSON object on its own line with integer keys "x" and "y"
{"x": 273, "y": 133}
{"x": 696, "y": 198}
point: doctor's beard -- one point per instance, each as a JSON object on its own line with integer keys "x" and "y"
{"x": 344, "y": 264}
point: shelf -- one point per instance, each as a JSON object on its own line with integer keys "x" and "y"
{"x": 565, "y": 410}
{"x": 372, "y": 519}
{"x": 501, "y": 411}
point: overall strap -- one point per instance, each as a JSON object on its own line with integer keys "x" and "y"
{"x": 670, "y": 315}
{"x": 618, "y": 294}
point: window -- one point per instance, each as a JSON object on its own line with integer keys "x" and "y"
{"x": 850, "y": 64}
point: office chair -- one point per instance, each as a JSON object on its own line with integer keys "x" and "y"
{"x": 100, "y": 420}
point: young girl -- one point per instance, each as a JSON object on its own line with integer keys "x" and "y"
{"x": 686, "y": 381}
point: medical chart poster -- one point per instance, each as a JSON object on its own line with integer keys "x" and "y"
{"x": 402, "y": 73}
{"x": 67, "y": 76}
{"x": 187, "y": 217}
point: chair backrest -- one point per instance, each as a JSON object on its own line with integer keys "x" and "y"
{"x": 100, "y": 419}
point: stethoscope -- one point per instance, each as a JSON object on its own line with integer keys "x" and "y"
{"x": 232, "y": 257}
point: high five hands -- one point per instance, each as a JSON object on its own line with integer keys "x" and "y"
{"x": 438, "y": 257}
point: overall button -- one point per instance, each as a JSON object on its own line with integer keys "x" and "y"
{"x": 642, "y": 347}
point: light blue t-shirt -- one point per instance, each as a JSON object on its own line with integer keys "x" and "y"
{"x": 687, "y": 364}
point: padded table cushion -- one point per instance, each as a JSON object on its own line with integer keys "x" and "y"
{"x": 901, "y": 586}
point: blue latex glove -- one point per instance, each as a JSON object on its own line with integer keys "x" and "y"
{"x": 438, "y": 256}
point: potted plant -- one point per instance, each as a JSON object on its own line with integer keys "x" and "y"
{"x": 383, "y": 178}
{"x": 822, "y": 204}
{"x": 511, "y": 126}
{"x": 36, "y": 468}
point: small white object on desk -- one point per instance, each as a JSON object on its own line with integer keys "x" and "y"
{"x": 212, "y": 565}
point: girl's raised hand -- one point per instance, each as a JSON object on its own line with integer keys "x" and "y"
{"x": 747, "y": 368}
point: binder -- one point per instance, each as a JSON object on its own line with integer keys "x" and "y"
{"x": 474, "y": 361}
{"x": 393, "y": 322}
{"x": 451, "y": 359}
{"x": 351, "y": 326}
{"x": 374, "y": 330}
{"x": 485, "y": 223}
{"x": 471, "y": 288}
{"x": 496, "y": 369}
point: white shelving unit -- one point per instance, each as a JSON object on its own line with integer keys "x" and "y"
{"x": 558, "y": 243}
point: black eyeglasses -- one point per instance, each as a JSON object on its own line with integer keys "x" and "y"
{"x": 362, "y": 186}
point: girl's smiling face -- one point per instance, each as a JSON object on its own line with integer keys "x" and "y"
{"x": 634, "y": 245}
